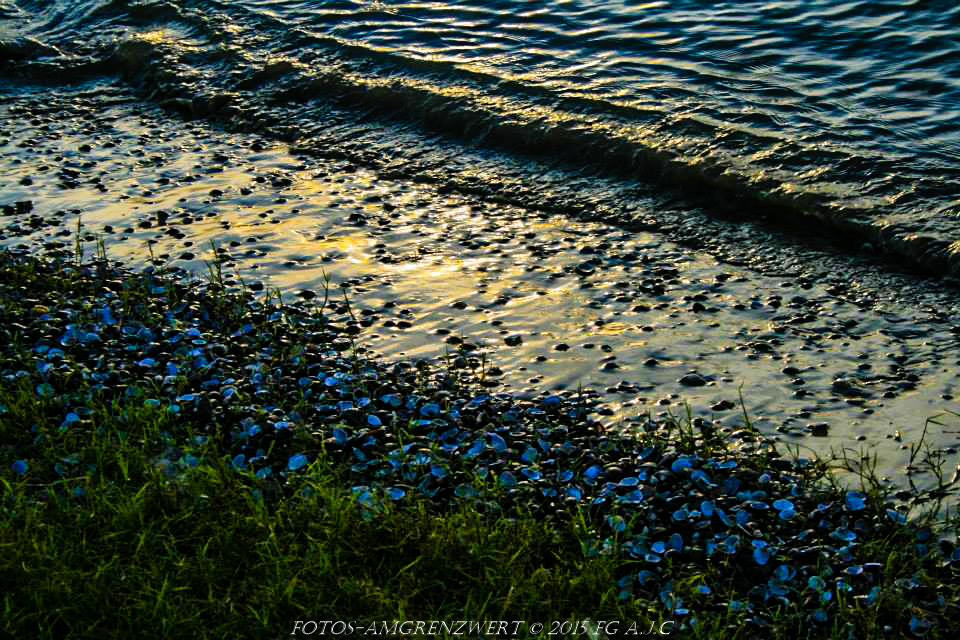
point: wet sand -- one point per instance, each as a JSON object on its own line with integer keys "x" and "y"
{"x": 829, "y": 352}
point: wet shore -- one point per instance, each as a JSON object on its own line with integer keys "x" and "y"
{"x": 828, "y": 352}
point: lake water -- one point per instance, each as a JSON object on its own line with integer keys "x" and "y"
{"x": 844, "y": 112}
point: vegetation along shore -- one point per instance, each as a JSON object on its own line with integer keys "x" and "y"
{"x": 205, "y": 461}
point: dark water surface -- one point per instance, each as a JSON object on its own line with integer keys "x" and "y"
{"x": 845, "y": 111}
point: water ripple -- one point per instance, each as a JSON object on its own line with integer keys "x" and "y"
{"x": 848, "y": 110}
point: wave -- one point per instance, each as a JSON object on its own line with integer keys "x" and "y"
{"x": 251, "y": 70}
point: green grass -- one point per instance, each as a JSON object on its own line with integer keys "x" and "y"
{"x": 210, "y": 561}
{"x": 212, "y": 556}
{"x": 131, "y": 523}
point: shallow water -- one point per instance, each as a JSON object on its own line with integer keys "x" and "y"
{"x": 848, "y": 112}
{"x": 813, "y": 342}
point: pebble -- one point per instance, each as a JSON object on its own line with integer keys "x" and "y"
{"x": 819, "y": 429}
{"x": 692, "y": 380}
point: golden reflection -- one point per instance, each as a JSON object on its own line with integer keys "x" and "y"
{"x": 155, "y": 37}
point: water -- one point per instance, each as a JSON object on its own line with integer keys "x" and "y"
{"x": 848, "y": 112}
{"x": 584, "y": 175}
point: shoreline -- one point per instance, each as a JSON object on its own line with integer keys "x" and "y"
{"x": 831, "y": 357}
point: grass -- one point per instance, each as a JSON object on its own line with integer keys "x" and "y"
{"x": 211, "y": 560}
{"x": 130, "y": 520}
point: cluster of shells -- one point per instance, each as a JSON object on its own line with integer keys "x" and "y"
{"x": 278, "y": 388}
